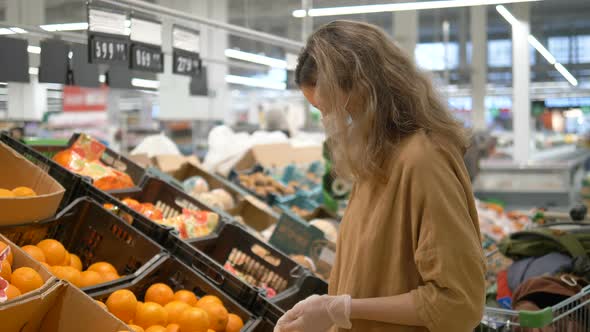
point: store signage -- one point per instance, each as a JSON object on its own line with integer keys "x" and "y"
{"x": 108, "y": 36}
{"x": 185, "y": 51}
{"x": 146, "y": 47}
{"x": 79, "y": 99}
{"x": 292, "y": 236}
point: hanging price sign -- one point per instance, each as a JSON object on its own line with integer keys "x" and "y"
{"x": 185, "y": 51}
{"x": 108, "y": 40}
{"x": 146, "y": 48}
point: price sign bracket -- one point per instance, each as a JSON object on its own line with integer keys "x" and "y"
{"x": 108, "y": 37}
{"x": 185, "y": 51}
{"x": 146, "y": 47}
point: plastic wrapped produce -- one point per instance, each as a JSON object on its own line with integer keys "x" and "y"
{"x": 195, "y": 185}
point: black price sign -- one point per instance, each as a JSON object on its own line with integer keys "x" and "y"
{"x": 147, "y": 58}
{"x": 108, "y": 49}
{"x": 186, "y": 63}
{"x": 293, "y": 235}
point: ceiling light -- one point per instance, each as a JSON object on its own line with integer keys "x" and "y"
{"x": 102, "y": 78}
{"x": 541, "y": 49}
{"x": 507, "y": 15}
{"x": 4, "y": 31}
{"x": 568, "y": 76}
{"x": 256, "y": 58}
{"x": 33, "y": 71}
{"x": 255, "y": 82}
{"x": 34, "y": 49}
{"x": 18, "y": 30}
{"x": 396, "y": 7}
{"x": 142, "y": 83}
{"x": 65, "y": 26}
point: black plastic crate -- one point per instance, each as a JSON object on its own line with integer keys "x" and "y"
{"x": 109, "y": 158}
{"x": 178, "y": 275}
{"x": 68, "y": 180}
{"x": 249, "y": 255}
{"x": 94, "y": 234}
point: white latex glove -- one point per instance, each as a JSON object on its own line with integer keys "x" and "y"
{"x": 317, "y": 314}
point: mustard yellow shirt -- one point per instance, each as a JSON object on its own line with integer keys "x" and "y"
{"x": 417, "y": 233}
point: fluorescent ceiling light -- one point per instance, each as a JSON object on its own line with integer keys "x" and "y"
{"x": 251, "y": 57}
{"x": 568, "y": 76}
{"x": 33, "y": 71}
{"x": 34, "y": 49}
{"x": 5, "y": 31}
{"x": 142, "y": 83}
{"x": 102, "y": 78}
{"x": 396, "y": 7}
{"x": 255, "y": 82}
{"x": 539, "y": 47}
{"x": 18, "y": 30}
{"x": 65, "y": 26}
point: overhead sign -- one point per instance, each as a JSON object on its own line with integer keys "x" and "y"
{"x": 108, "y": 36}
{"x": 185, "y": 51}
{"x": 146, "y": 47}
{"x": 79, "y": 99}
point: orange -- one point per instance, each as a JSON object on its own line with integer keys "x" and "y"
{"x": 217, "y": 316}
{"x": 66, "y": 260}
{"x": 4, "y": 193}
{"x": 26, "y": 279}
{"x": 101, "y": 304}
{"x": 150, "y": 313}
{"x": 194, "y": 320}
{"x": 234, "y": 323}
{"x": 174, "y": 309}
{"x": 173, "y": 328}
{"x": 47, "y": 266}
{"x": 23, "y": 192}
{"x": 54, "y": 251}
{"x": 12, "y": 292}
{"x": 159, "y": 293}
{"x": 156, "y": 328}
{"x": 208, "y": 299}
{"x": 89, "y": 278}
{"x": 102, "y": 267}
{"x": 186, "y": 296}
{"x": 109, "y": 276}
{"x": 122, "y": 303}
{"x": 67, "y": 273}
{"x": 210, "y": 330}
{"x": 75, "y": 262}
{"x": 10, "y": 256}
{"x": 136, "y": 328}
{"x": 34, "y": 252}
{"x": 6, "y": 270}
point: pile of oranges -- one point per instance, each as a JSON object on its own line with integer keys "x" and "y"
{"x": 17, "y": 192}
{"x": 67, "y": 266}
{"x": 21, "y": 280}
{"x": 167, "y": 311}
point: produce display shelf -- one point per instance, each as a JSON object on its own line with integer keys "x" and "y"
{"x": 94, "y": 234}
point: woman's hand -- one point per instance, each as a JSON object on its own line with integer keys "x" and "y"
{"x": 317, "y": 314}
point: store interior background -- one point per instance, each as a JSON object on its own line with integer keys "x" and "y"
{"x": 534, "y": 119}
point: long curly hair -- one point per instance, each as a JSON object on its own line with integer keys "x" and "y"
{"x": 379, "y": 94}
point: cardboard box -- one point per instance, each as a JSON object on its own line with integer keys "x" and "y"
{"x": 282, "y": 154}
{"x": 22, "y": 259}
{"x": 18, "y": 171}
{"x": 254, "y": 213}
{"x": 172, "y": 163}
{"x": 61, "y": 308}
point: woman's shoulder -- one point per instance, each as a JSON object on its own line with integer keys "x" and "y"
{"x": 422, "y": 151}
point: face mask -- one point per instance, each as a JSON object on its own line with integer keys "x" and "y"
{"x": 330, "y": 121}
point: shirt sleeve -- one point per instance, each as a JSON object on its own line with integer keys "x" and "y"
{"x": 448, "y": 253}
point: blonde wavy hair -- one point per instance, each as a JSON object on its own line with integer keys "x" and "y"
{"x": 379, "y": 94}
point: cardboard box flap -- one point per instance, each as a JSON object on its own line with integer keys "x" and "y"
{"x": 169, "y": 163}
{"x": 18, "y": 171}
{"x": 280, "y": 154}
{"x": 141, "y": 159}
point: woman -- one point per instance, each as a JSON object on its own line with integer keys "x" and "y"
{"x": 408, "y": 256}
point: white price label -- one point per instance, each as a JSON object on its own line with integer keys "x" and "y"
{"x": 144, "y": 31}
{"x": 106, "y": 22}
{"x": 186, "y": 40}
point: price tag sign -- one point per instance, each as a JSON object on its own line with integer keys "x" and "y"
{"x": 293, "y": 235}
{"x": 185, "y": 53}
{"x": 146, "y": 47}
{"x": 108, "y": 36}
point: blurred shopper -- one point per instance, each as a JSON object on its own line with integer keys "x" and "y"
{"x": 409, "y": 256}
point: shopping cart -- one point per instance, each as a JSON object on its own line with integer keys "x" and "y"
{"x": 571, "y": 315}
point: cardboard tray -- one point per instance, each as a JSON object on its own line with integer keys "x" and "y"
{"x": 60, "y": 307}
{"x": 109, "y": 158}
{"x": 254, "y": 213}
{"x": 21, "y": 168}
{"x": 177, "y": 275}
{"x": 86, "y": 229}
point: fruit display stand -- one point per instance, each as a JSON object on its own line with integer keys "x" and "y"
{"x": 179, "y": 276}
{"x": 66, "y": 179}
{"x": 109, "y": 158}
{"x": 94, "y": 234}
{"x": 253, "y": 262}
